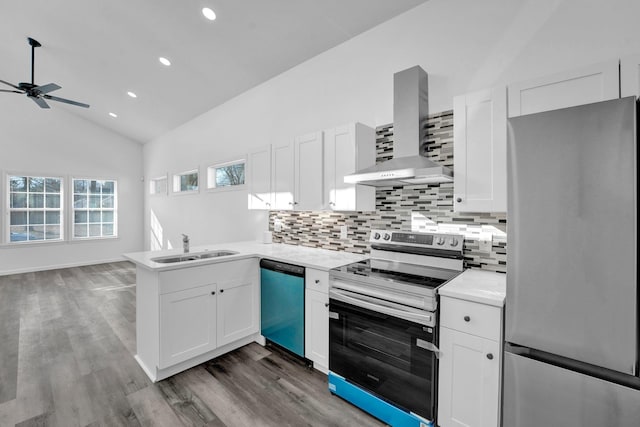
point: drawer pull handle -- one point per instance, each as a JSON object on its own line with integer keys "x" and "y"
{"x": 467, "y": 318}
{"x": 326, "y": 304}
{"x": 317, "y": 281}
{"x": 490, "y": 356}
{"x": 213, "y": 292}
{"x": 221, "y": 290}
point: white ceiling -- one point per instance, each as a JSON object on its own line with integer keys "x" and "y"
{"x": 99, "y": 50}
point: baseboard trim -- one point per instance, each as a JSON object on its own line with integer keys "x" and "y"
{"x": 59, "y": 266}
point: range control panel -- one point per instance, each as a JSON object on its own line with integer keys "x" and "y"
{"x": 424, "y": 240}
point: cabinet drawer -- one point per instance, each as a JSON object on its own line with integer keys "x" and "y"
{"x": 316, "y": 280}
{"x": 208, "y": 274}
{"x": 472, "y": 318}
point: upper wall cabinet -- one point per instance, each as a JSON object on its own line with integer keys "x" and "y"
{"x": 630, "y": 76}
{"x": 308, "y": 172}
{"x": 347, "y": 149}
{"x": 479, "y": 151}
{"x": 598, "y": 82}
{"x": 282, "y": 175}
{"x": 259, "y": 178}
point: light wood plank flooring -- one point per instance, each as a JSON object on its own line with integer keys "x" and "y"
{"x": 67, "y": 340}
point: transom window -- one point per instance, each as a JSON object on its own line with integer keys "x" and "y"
{"x": 94, "y": 208}
{"x": 226, "y": 175}
{"x": 185, "y": 182}
{"x": 35, "y": 208}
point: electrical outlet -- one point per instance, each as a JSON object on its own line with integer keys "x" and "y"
{"x": 485, "y": 241}
{"x": 277, "y": 225}
{"x": 343, "y": 232}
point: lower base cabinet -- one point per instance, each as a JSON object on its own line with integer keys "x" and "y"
{"x": 316, "y": 319}
{"x": 470, "y": 364}
{"x": 189, "y": 315}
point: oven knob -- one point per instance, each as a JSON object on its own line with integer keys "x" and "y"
{"x": 454, "y": 242}
{"x": 440, "y": 241}
{"x": 387, "y": 236}
{"x": 376, "y": 236}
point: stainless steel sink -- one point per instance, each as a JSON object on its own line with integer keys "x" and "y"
{"x": 192, "y": 257}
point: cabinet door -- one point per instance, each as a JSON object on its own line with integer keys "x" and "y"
{"x": 237, "y": 309}
{"x": 586, "y": 85}
{"x": 259, "y": 178}
{"x": 187, "y": 324}
{"x": 469, "y": 380}
{"x": 282, "y": 181}
{"x": 480, "y": 151}
{"x": 316, "y": 337}
{"x": 630, "y": 76}
{"x": 347, "y": 149}
{"x": 309, "y": 172}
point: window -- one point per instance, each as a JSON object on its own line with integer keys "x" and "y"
{"x": 158, "y": 185}
{"x": 226, "y": 175}
{"x": 35, "y": 208}
{"x": 185, "y": 182}
{"x": 94, "y": 208}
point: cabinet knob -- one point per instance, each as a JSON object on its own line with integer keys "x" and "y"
{"x": 326, "y": 304}
{"x": 317, "y": 281}
{"x": 490, "y": 356}
{"x": 213, "y": 292}
{"x": 467, "y": 318}
{"x": 459, "y": 199}
{"x": 221, "y": 290}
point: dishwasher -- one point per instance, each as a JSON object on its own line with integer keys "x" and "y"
{"x": 282, "y": 304}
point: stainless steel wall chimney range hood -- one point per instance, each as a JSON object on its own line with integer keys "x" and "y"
{"x": 410, "y": 110}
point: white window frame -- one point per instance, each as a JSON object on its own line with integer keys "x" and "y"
{"x": 211, "y": 176}
{"x": 6, "y": 206}
{"x": 73, "y": 209}
{"x": 153, "y": 186}
{"x": 175, "y": 187}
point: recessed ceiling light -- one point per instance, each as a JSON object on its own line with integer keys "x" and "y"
{"x": 131, "y": 94}
{"x": 208, "y": 13}
{"x": 164, "y": 61}
{"x": 114, "y": 115}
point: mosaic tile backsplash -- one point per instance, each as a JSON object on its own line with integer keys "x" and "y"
{"x": 426, "y": 207}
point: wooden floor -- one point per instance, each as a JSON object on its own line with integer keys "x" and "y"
{"x": 67, "y": 340}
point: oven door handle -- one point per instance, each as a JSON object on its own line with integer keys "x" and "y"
{"x": 423, "y": 319}
{"x": 428, "y": 346}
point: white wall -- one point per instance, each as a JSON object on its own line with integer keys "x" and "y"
{"x": 464, "y": 45}
{"x": 37, "y": 141}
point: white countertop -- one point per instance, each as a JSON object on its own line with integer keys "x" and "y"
{"x": 321, "y": 259}
{"x": 476, "y": 285}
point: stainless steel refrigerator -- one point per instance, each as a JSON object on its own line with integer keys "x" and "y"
{"x": 571, "y": 322}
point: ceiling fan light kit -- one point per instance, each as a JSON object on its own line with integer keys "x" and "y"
{"x": 38, "y": 94}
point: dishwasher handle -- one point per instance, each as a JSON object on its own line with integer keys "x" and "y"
{"x": 282, "y": 267}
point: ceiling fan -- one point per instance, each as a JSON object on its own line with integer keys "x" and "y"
{"x": 39, "y": 93}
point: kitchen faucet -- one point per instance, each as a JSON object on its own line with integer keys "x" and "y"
{"x": 185, "y": 243}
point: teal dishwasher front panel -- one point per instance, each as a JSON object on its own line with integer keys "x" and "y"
{"x": 282, "y": 309}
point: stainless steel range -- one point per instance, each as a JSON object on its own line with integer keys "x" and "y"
{"x": 383, "y": 324}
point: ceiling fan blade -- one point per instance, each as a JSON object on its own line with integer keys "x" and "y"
{"x": 13, "y": 91}
{"x": 9, "y": 84}
{"x": 66, "y": 101}
{"x": 47, "y": 88}
{"x": 41, "y": 102}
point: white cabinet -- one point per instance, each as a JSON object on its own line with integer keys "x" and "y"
{"x": 598, "y": 82}
{"x": 237, "y": 310}
{"x": 316, "y": 318}
{"x": 187, "y": 324}
{"x": 469, "y": 364}
{"x": 347, "y": 149}
{"x": 189, "y": 315}
{"x": 282, "y": 177}
{"x": 480, "y": 151}
{"x": 309, "y": 170}
{"x": 630, "y": 76}
{"x": 259, "y": 178}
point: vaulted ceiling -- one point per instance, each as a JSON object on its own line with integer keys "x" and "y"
{"x": 99, "y": 50}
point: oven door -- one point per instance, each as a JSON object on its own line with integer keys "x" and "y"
{"x": 390, "y": 357}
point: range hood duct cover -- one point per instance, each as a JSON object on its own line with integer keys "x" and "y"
{"x": 410, "y": 112}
